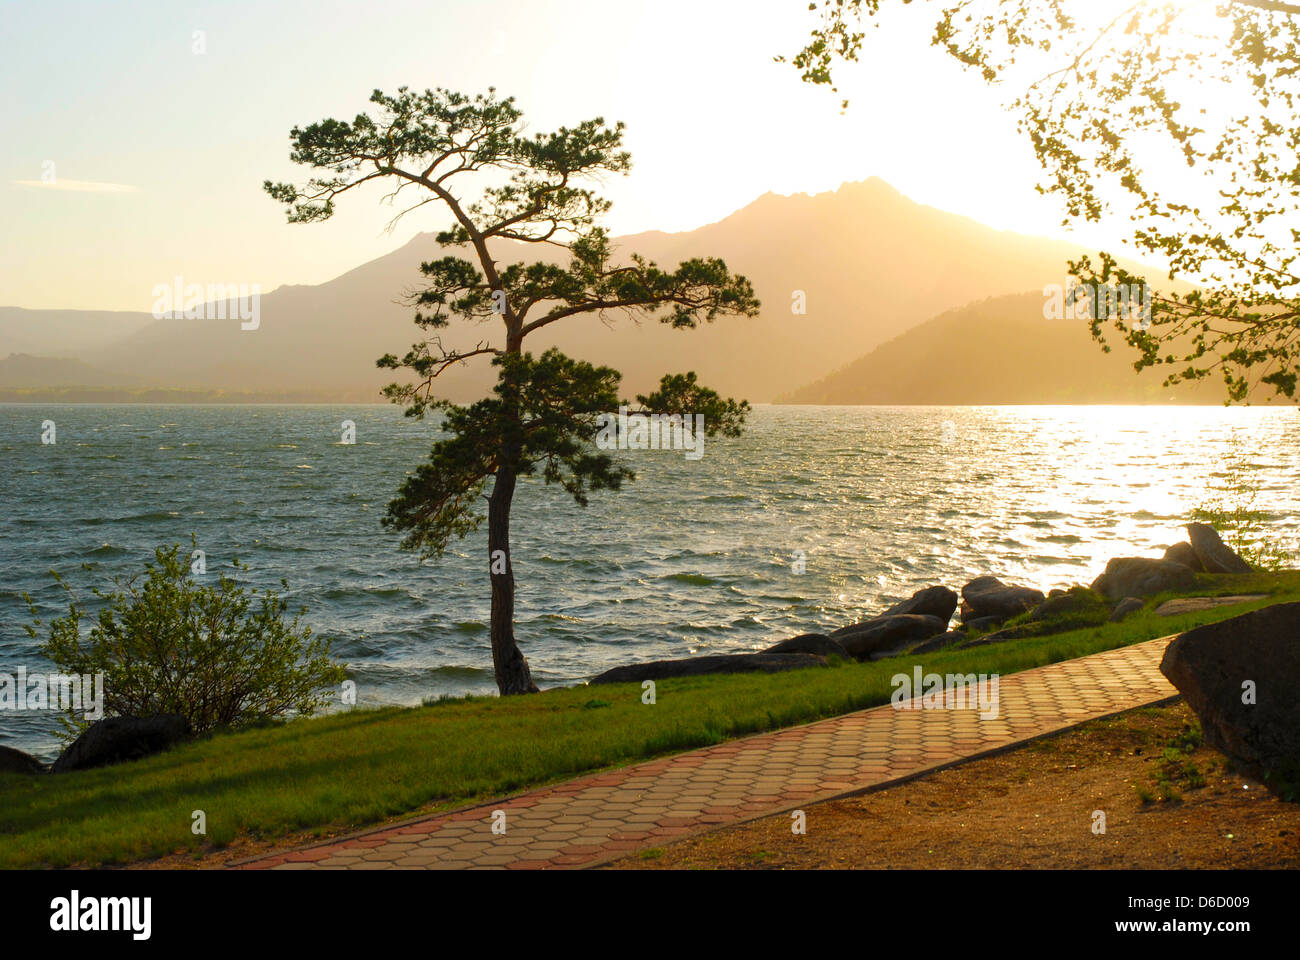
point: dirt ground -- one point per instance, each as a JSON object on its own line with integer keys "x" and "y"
{"x": 1168, "y": 802}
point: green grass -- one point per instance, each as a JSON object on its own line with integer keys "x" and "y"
{"x": 1093, "y": 610}
{"x": 1175, "y": 768}
{"x": 349, "y": 770}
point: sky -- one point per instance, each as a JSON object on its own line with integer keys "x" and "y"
{"x": 158, "y": 138}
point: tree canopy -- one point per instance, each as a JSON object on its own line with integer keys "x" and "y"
{"x": 1182, "y": 116}
{"x": 471, "y": 157}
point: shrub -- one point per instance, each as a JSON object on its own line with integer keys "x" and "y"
{"x": 1233, "y": 513}
{"x": 219, "y": 655}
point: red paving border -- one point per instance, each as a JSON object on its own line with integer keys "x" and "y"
{"x": 594, "y": 819}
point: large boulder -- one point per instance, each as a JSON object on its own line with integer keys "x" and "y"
{"x": 15, "y": 761}
{"x": 713, "y": 663}
{"x": 931, "y": 602}
{"x": 1141, "y": 577}
{"x": 814, "y": 643}
{"x": 116, "y": 739}
{"x": 1215, "y": 555}
{"x": 990, "y": 597}
{"x": 895, "y": 632}
{"x": 1185, "y": 554}
{"x": 1215, "y": 666}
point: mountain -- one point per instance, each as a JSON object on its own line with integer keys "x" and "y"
{"x": 1001, "y": 350}
{"x": 21, "y": 370}
{"x": 63, "y": 333}
{"x": 869, "y": 263}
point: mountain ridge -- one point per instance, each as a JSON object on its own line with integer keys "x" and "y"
{"x": 1002, "y": 351}
{"x": 868, "y": 262}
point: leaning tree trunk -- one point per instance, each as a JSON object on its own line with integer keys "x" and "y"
{"x": 512, "y": 673}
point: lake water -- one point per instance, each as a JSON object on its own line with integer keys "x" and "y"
{"x": 695, "y": 556}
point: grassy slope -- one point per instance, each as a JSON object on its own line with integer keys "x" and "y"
{"x": 359, "y": 768}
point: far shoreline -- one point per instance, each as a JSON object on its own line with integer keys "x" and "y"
{"x": 8, "y": 399}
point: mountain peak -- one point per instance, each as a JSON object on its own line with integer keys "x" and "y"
{"x": 872, "y": 186}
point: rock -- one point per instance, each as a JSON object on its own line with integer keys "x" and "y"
{"x": 990, "y": 597}
{"x": 713, "y": 663}
{"x": 1142, "y": 576}
{"x": 814, "y": 643}
{"x": 950, "y": 639}
{"x": 944, "y": 640}
{"x": 888, "y": 633}
{"x": 15, "y": 761}
{"x": 1125, "y": 607}
{"x": 979, "y": 641}
{"x": 1172, "y": 608}
{"x": 1215, "y": 555}
{"x": 1211, "y": 665}
{"x": 931, "y": 602}
{"x": 982, "y": 623}
{"x": 1185, "y": 554}
{"x": 1061, "y": 604}
{"x": 115, "y": 739}
{"x": 997, "y": 636}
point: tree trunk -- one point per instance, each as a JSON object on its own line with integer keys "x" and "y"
{"x": 512, "y": 673}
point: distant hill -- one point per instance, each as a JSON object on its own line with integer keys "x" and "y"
{"x": 870, "y": 263}
{"x": 1000, "y": 351}
{"x": 65, "y": 333}
{"x": 21, "y": 370}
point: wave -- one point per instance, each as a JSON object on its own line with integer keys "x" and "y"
{"x": 693, "y": 579}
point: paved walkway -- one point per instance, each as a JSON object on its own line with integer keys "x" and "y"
{"x": 598, "y": 818}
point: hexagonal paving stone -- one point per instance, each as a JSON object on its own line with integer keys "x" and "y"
{"x": 596, "y": 818}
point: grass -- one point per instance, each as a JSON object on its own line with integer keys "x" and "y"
{"x": 1175, "y": 768}
{"x": 349, "y": 770}
{"x": 1092, "y": 610}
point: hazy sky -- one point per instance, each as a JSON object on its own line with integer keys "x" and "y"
{"x": 112, "y": 93}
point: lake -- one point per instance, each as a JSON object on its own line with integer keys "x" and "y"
{"x": 813, "y": 518}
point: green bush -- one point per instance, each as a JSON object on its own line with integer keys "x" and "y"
{"x": 219, "y": 655}
{"x": 1232, "y": 512}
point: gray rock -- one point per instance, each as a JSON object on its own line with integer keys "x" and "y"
{"x": 15, "y": 761}
{"x": 1141, "y": 577}
{"x": 982, "y": 623}
{"x": 888, "y": 633}
{"x": 116, "y": 739}
{"x": 1211, "y": 667}
{"x": 1125, "y": 607}
{"x": 815, "y": 643}
{"x": 1060, "y": 604}
{"x": 1185, "y": 554}
{"x": 979, "y": 641}
{"x": 1215, "y": 555}
{"x": 990, "y": 597}
{"x": 1172, "y": 608}
{"x": 931, "y": 602}
{"x": 713, "y": 663}
{"x": 950, "y": 639}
